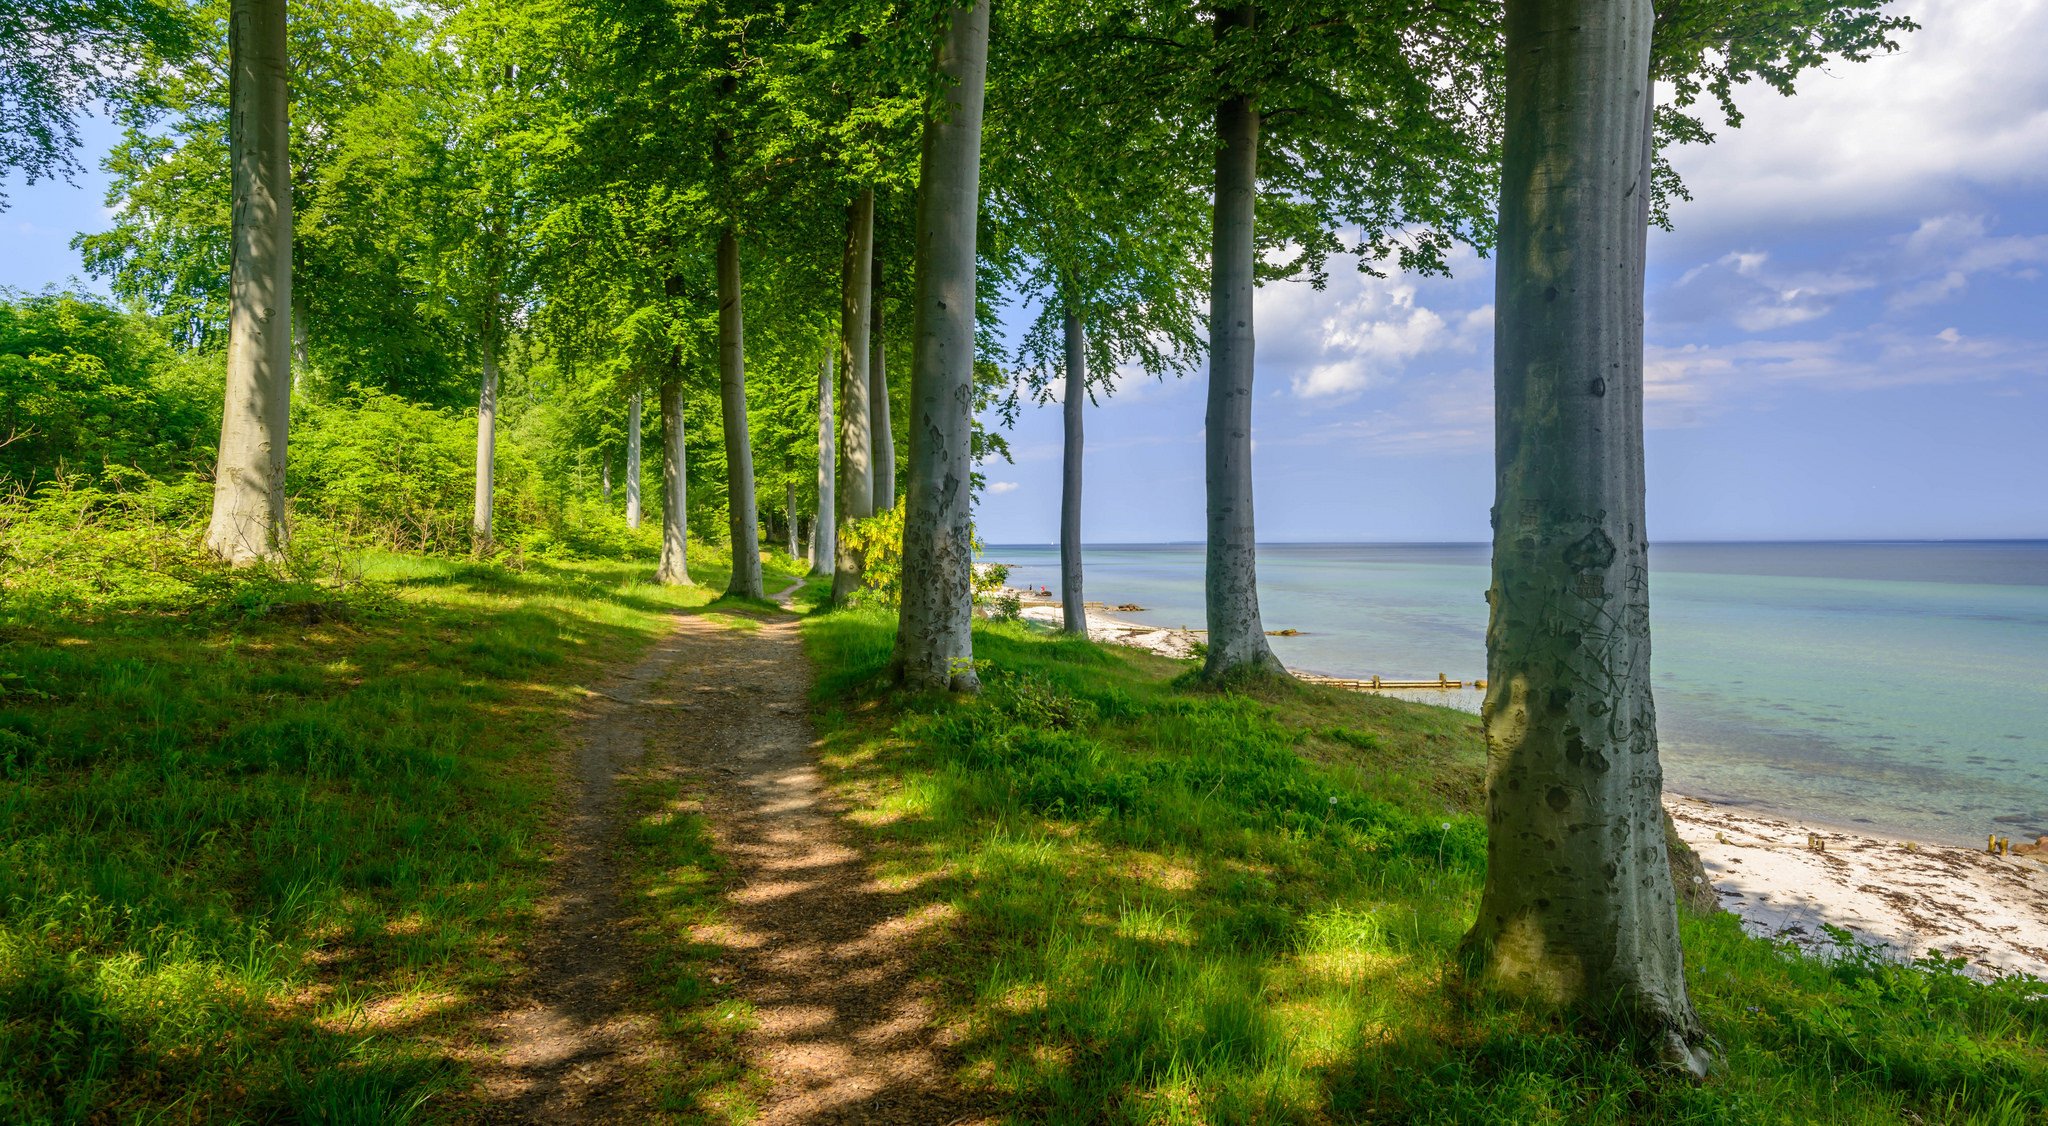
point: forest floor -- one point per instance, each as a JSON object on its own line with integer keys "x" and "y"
{"x": 830, "y": 1020}
{"x": 452, "y": 842}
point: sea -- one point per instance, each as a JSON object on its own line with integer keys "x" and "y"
{"x": 1896, "y": 688}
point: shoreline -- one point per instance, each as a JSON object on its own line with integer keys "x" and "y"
{"x": 1909, "y": 898}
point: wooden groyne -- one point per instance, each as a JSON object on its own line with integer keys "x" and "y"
{"x": 1381, "y": 684}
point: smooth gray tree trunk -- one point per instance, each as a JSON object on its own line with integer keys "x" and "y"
{"x": 824, "y": 544}
{"x": 248, "y": 520}
{"x": 675, "y": 486}
{"x": 486, "y": 446}
{"x": 878, "y": 401}
{"x": 604, "y": 476}
{"x": 633, "y": 461}
{"x": 1073, "y": 608}
{"x": 302, "y": 344}
{"x": 1237, "y": 635}
{"x": 789, "y": 514}
{"x": 1578, "y": 909}
{"x": 856, "y": 467}
{"x": 739, "y": 448}
{"x": 934, "y": 638}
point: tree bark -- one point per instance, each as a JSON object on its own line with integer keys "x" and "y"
{"x": 486, "y": 446}
{"x": 248, "y": 520}
{"x": 878, "y": 401}
{"x": 604, "y": 476}
{"x": 1237, "y": 635}
{"x": 789, "y": 514}
{"x": 1073, "y": 608}
{"x": 633, "y": 461}
{"x": 824, "y": 544}
{"x": 1578, "y": 909}
{"x": 675, "y": 485}
{"x": 856, "y": 469}
{"x": 739, "y": 449}
{"x": 934, "y": 638}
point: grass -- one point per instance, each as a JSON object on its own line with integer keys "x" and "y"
{"x": 1177, "y": 906}
{"x": 265, "y": 853}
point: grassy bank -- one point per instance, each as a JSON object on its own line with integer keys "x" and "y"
{"x": 1172, "y": 906}
{"x": 267, "y": 844}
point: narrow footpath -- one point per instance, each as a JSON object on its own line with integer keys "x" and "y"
{"x": 821, "y": 952}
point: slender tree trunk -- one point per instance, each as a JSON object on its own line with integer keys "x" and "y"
{"x": 789, "y": 514}
{"x": 1237, "y": 636}
{"x": 604, "y": 476}
{"x": 823, "y": 540}
{"x": 248, "y": 521}
{"x": 1073, "y": 607}
{"x": 633, "y": 461}
{"x": 739, "y": 449}
{"x": 856, "y": 469}
{"x": 1578, "y": 909}
{"x": 878, "y": 401}
{"x": 302, "y": 347}
{"x": 934, "y": 638}
{"x": 486, "y": 445}
{"x": 675, "y": 484}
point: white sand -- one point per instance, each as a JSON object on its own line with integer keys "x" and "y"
{"x": 1961, "y": 902}
{"x": 1177, "y": 643}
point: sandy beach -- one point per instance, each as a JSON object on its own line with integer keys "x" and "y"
{"x": 1908, "y": 897}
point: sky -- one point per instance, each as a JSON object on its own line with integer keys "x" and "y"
{"x": 1848, "y": 339}
{"x": 1848, "y": 336}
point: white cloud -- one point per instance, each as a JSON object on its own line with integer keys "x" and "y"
{"x": 1362, "y": 331}
{"x": 1946, "y": 251}
{"x": 1743, "y": 287}
{"x": 1685, "y": 383}
{"x": 998, "y": 488}
{"x": 1963, "y": 103}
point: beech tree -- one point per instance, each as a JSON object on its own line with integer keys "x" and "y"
{"x": 248, "y": 522}
{"x": 934, "y": 640}
{"x": 855, "y": 492}
{"x": 1096, "y": 216}
{"x": 1578, "y": 910}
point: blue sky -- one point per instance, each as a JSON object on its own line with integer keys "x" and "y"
{"x": 1848, "y": 337}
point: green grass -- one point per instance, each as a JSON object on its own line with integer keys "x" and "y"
{"x": 1176, "y": 906}
{"x": 265, "y": 853}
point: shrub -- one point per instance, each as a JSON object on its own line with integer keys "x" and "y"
{"x": 84, "y": 385}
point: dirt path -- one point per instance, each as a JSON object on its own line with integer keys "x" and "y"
{"x": 822, "y": 953}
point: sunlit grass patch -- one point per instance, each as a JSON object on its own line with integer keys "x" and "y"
{"x": 1174, "y": 905}
{"x": 271, "y": 864}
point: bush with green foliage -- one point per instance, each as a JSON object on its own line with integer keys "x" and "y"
{"x": 83, "y": 384}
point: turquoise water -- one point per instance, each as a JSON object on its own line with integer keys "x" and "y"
{"x": 1898, "y": 687}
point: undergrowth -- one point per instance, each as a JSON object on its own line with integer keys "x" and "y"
{"x": 1173, "y": 905}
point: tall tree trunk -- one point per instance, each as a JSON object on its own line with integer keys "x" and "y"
{"x": 1073, "y": 608}
{"x": 823, "y": 529}
{"x": 302, "y": 346}
{"x": 934, "y": 639}
{"x": 856, "y": 469}
{"x": 1237, "y": 635}
{"x": 789, "y": 514}
{"x": 878, "y": 401}
{"x": 675, "y": 484}
{"x": 486, "y": 445}
{"x": 633, "y": 461}
{"x": 604, "y": 475}
{"x": 739, "y": 449}
{"x": 1578, "y": 909}
{"x": 248, "y": 521}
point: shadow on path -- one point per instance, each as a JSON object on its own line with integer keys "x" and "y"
{"x": 824, "y": 955}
